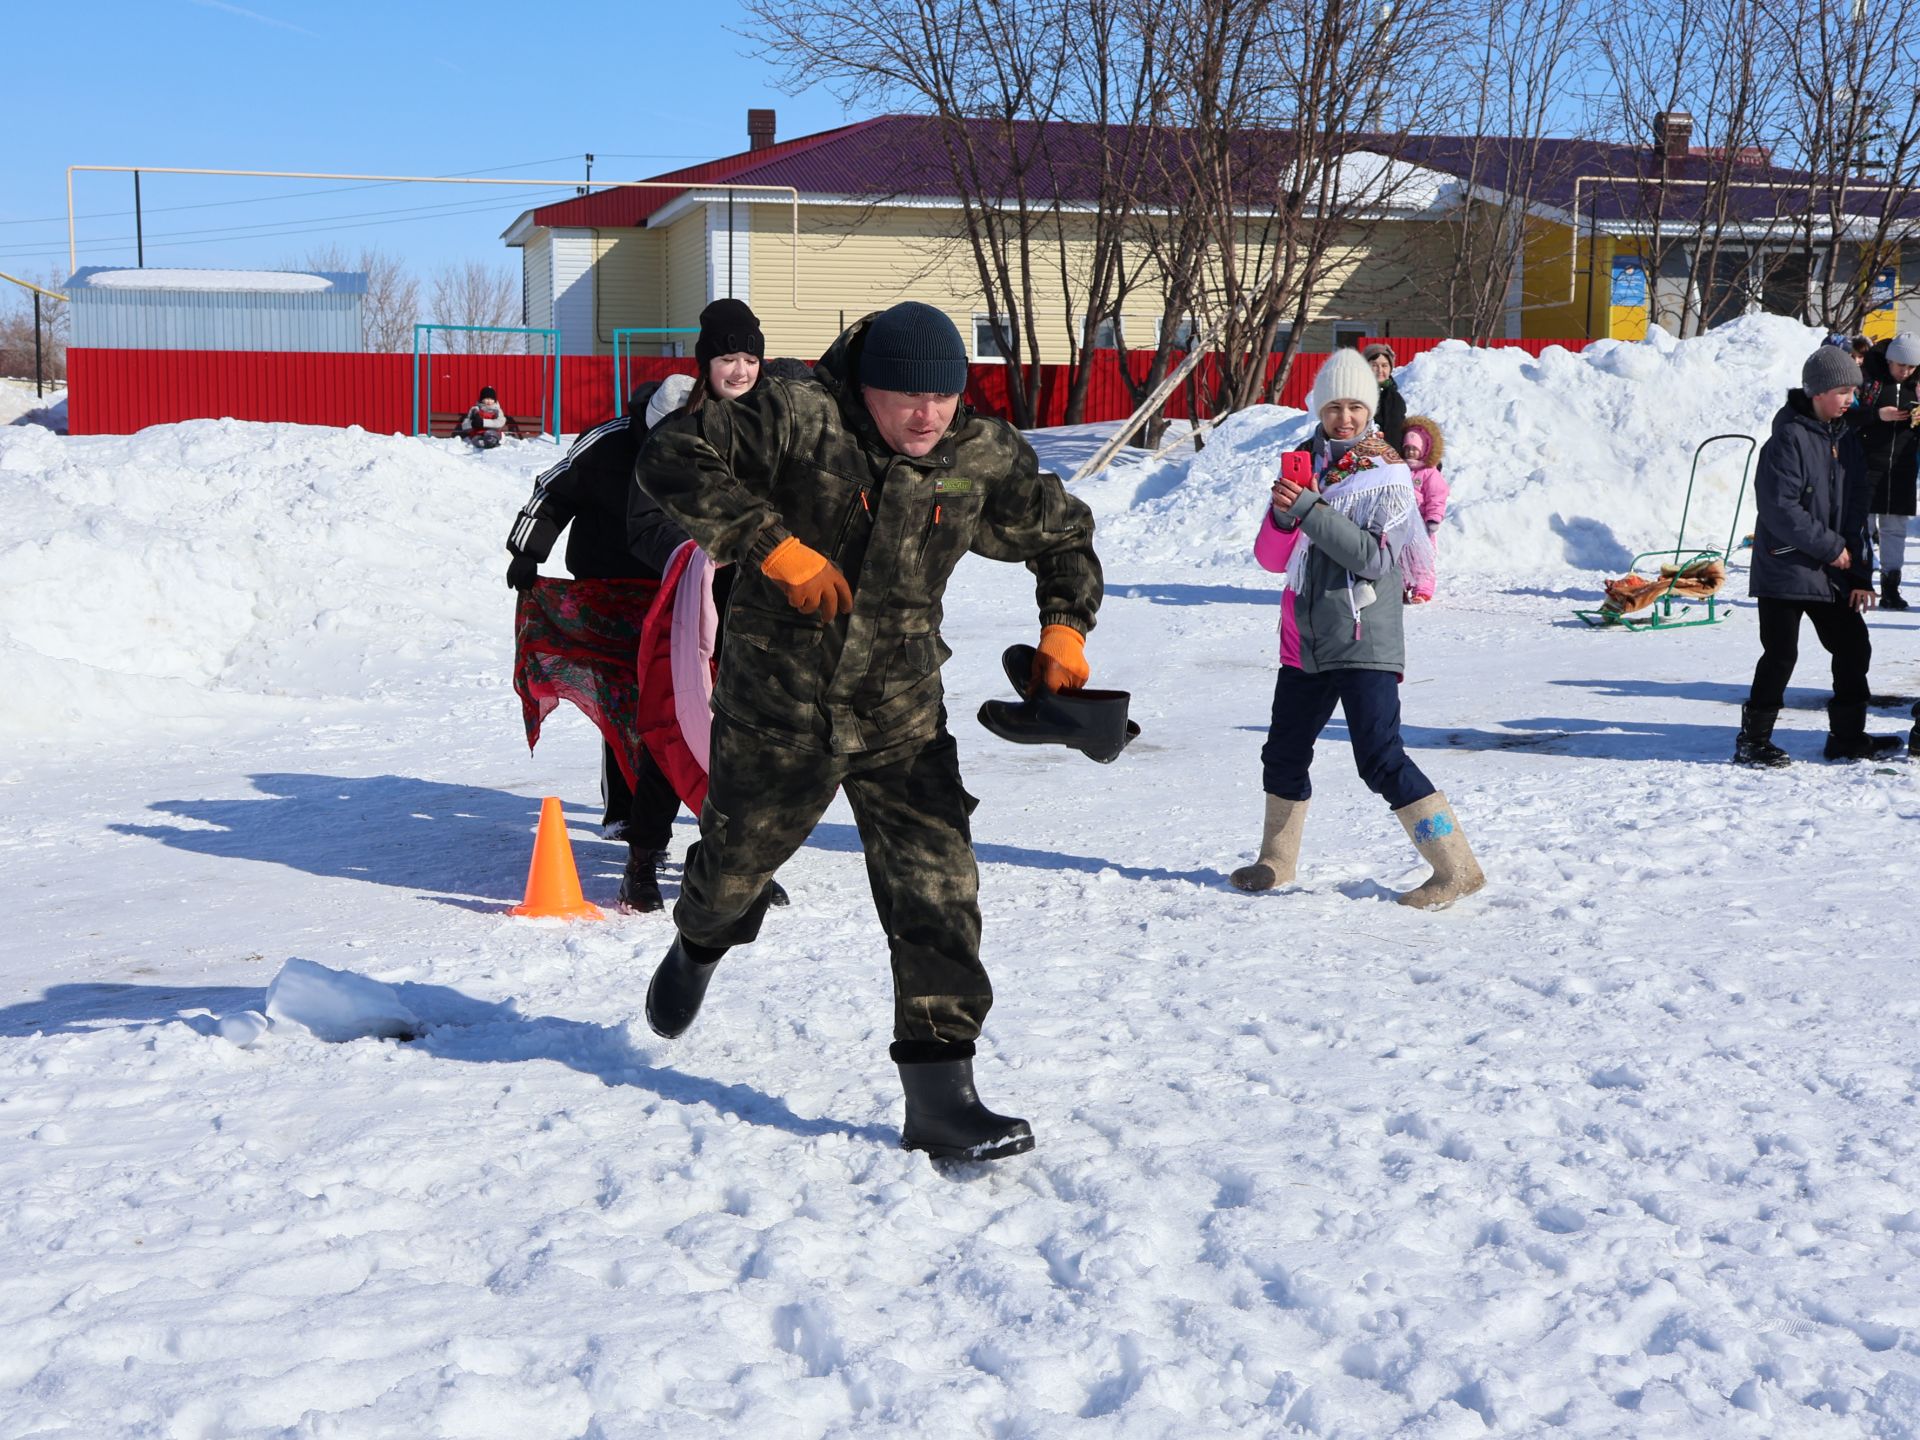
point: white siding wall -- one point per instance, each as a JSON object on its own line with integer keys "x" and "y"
{"x": 573, "y": 254}
{"x": 729, "y": 251}
{"x": 536, "y": 256}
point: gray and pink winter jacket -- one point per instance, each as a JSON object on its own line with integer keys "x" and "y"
{"x": 1318, "y": 628}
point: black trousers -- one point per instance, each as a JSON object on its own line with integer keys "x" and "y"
{"x": 1370, "y": 699}
{"x": 1840, "y": 628}
{"x": 763, "y": 800}
{"x": 642, "y": 815}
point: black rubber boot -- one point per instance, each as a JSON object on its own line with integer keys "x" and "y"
{"x": 1890, "y": 591}
{"x": 944, "y": 1115}
{"x": 1847, "y": 737}
{"x": 640, "y": 886}
{"x": 678, "y": 986}
{"x": 1755, "y": 746}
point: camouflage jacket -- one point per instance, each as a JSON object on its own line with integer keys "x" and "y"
{"x": 804, "y": 458}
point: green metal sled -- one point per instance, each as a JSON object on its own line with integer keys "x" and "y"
{"x": 1669, "y": 611}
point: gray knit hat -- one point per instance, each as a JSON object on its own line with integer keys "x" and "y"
{"x": 913, "y": 348}
{"x": 1829, "y": 368}
{"x": 1904, "y": 348}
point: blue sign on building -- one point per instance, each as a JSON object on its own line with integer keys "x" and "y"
{"x": 1629, "y": 281}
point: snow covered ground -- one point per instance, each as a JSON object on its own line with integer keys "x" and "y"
{"x": 1623, "y": 1146}
{"x": 20, "y": 406}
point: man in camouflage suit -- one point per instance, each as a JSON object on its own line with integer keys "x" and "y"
{"x": 845, "y": 502}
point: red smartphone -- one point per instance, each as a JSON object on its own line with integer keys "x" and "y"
{"x": 1296, "y": 468}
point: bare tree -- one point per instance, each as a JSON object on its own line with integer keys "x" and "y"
{"x": 1855, "y": 129}
{"x": 1114, "y": 103}
{"x": 1297, "y": 116}
{"x": 17, "y": 332}
{"x": 1696, "y": 89}
{"x": 988, "y": 77}
{"x": 1511, "y": 81}
{"x": 473, "y": 292}
{"x": 393, "y": 293}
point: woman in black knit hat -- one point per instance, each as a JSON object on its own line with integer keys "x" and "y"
{"x": 730, "y": 349}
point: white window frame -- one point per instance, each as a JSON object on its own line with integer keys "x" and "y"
{"x": 982, "y": 318}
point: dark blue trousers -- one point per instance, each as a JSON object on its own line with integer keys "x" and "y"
{"x": 1370, "y": 699}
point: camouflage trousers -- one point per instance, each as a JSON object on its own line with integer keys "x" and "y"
{"x": 763, "y": 800}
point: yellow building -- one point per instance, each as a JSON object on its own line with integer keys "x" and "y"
{"x": 817, "y": 231}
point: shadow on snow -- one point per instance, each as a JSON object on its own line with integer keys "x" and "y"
{"x": 459, "y": 1028}
{"x": 461, "y": 844}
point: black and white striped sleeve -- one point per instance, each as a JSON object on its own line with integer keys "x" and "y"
{"x": 556, "y": 493}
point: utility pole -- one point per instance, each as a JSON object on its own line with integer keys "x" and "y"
{"x": 586, "y": 188}
{"x": 39, "y": 366}
{"x": 139, "y": 234}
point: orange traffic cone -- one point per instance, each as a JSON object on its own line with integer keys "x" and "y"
{"x": 553, "y": 885}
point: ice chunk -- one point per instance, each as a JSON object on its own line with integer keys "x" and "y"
{"x": 247, "y": 1028}
{"x": 338, "y": 1005}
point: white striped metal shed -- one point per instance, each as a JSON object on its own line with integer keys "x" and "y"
{"x": 121, "y": 308}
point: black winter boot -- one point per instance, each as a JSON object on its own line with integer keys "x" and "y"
{"x": 1890, "y": 591}
{"x": 1847, "y": 737}
{"x": 1754, "y": 745}
{"x": 678, "y": 986}
{"x": 944, "y": 1115}
{"x": 640, "y": 886}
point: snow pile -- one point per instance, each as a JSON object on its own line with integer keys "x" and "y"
{"x": 20, "y": 406}
{"x": 334, "y": 1005}
{"x": 1562, "y": 462}
{"x": 144, "y": 573}
{"x": 283, "y": 281}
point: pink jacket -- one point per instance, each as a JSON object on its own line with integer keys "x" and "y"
{"x": 1431, "y": 486}
{"x": 1273, "y": 547}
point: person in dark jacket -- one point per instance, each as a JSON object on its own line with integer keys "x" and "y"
{"x": 1391, "y": 417}
{"x": 485, "y": 424}
{"x": 1811, "y": 561}
{"x": 844, "y": 503}
{"x": 586, "y": 495}
{"x": 1884, "y": 417}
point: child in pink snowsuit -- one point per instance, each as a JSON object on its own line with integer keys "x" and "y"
{"x": 1423, "y": 447}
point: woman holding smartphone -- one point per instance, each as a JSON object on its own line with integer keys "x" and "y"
{"x": 1344, "y": 527}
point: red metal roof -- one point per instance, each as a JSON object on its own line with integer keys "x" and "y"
{"x": 614, "y": 209}
{"x": 907, "y": 155}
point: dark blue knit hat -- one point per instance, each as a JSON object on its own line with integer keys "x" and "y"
{"x": 914, "y": 348}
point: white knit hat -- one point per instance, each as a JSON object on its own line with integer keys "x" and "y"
{"x": 1346, "y": 376}
{"x": 1904, "y": 348}
{"x": 669, "y": 397}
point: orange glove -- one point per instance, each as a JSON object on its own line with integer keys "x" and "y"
{"x": 1060, "y": 662}
{"x": 811, "y": 581}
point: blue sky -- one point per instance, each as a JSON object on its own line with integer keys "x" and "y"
{"x": 394, "y": 88}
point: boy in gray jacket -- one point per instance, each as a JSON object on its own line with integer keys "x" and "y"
{"x": 1810, "y": 559}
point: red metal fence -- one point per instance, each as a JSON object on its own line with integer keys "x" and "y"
{"x": 115, "y": 392}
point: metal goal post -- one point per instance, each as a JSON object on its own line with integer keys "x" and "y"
{"x": 623, "y": 341}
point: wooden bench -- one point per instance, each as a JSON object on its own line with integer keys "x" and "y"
{"x": 442, "y": 424}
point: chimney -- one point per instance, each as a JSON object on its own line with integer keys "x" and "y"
{"x": 1672, "y": 133}
{"x": 759, "y": 129}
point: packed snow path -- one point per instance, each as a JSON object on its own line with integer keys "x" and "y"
{"x": 1623, "y": 1146}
